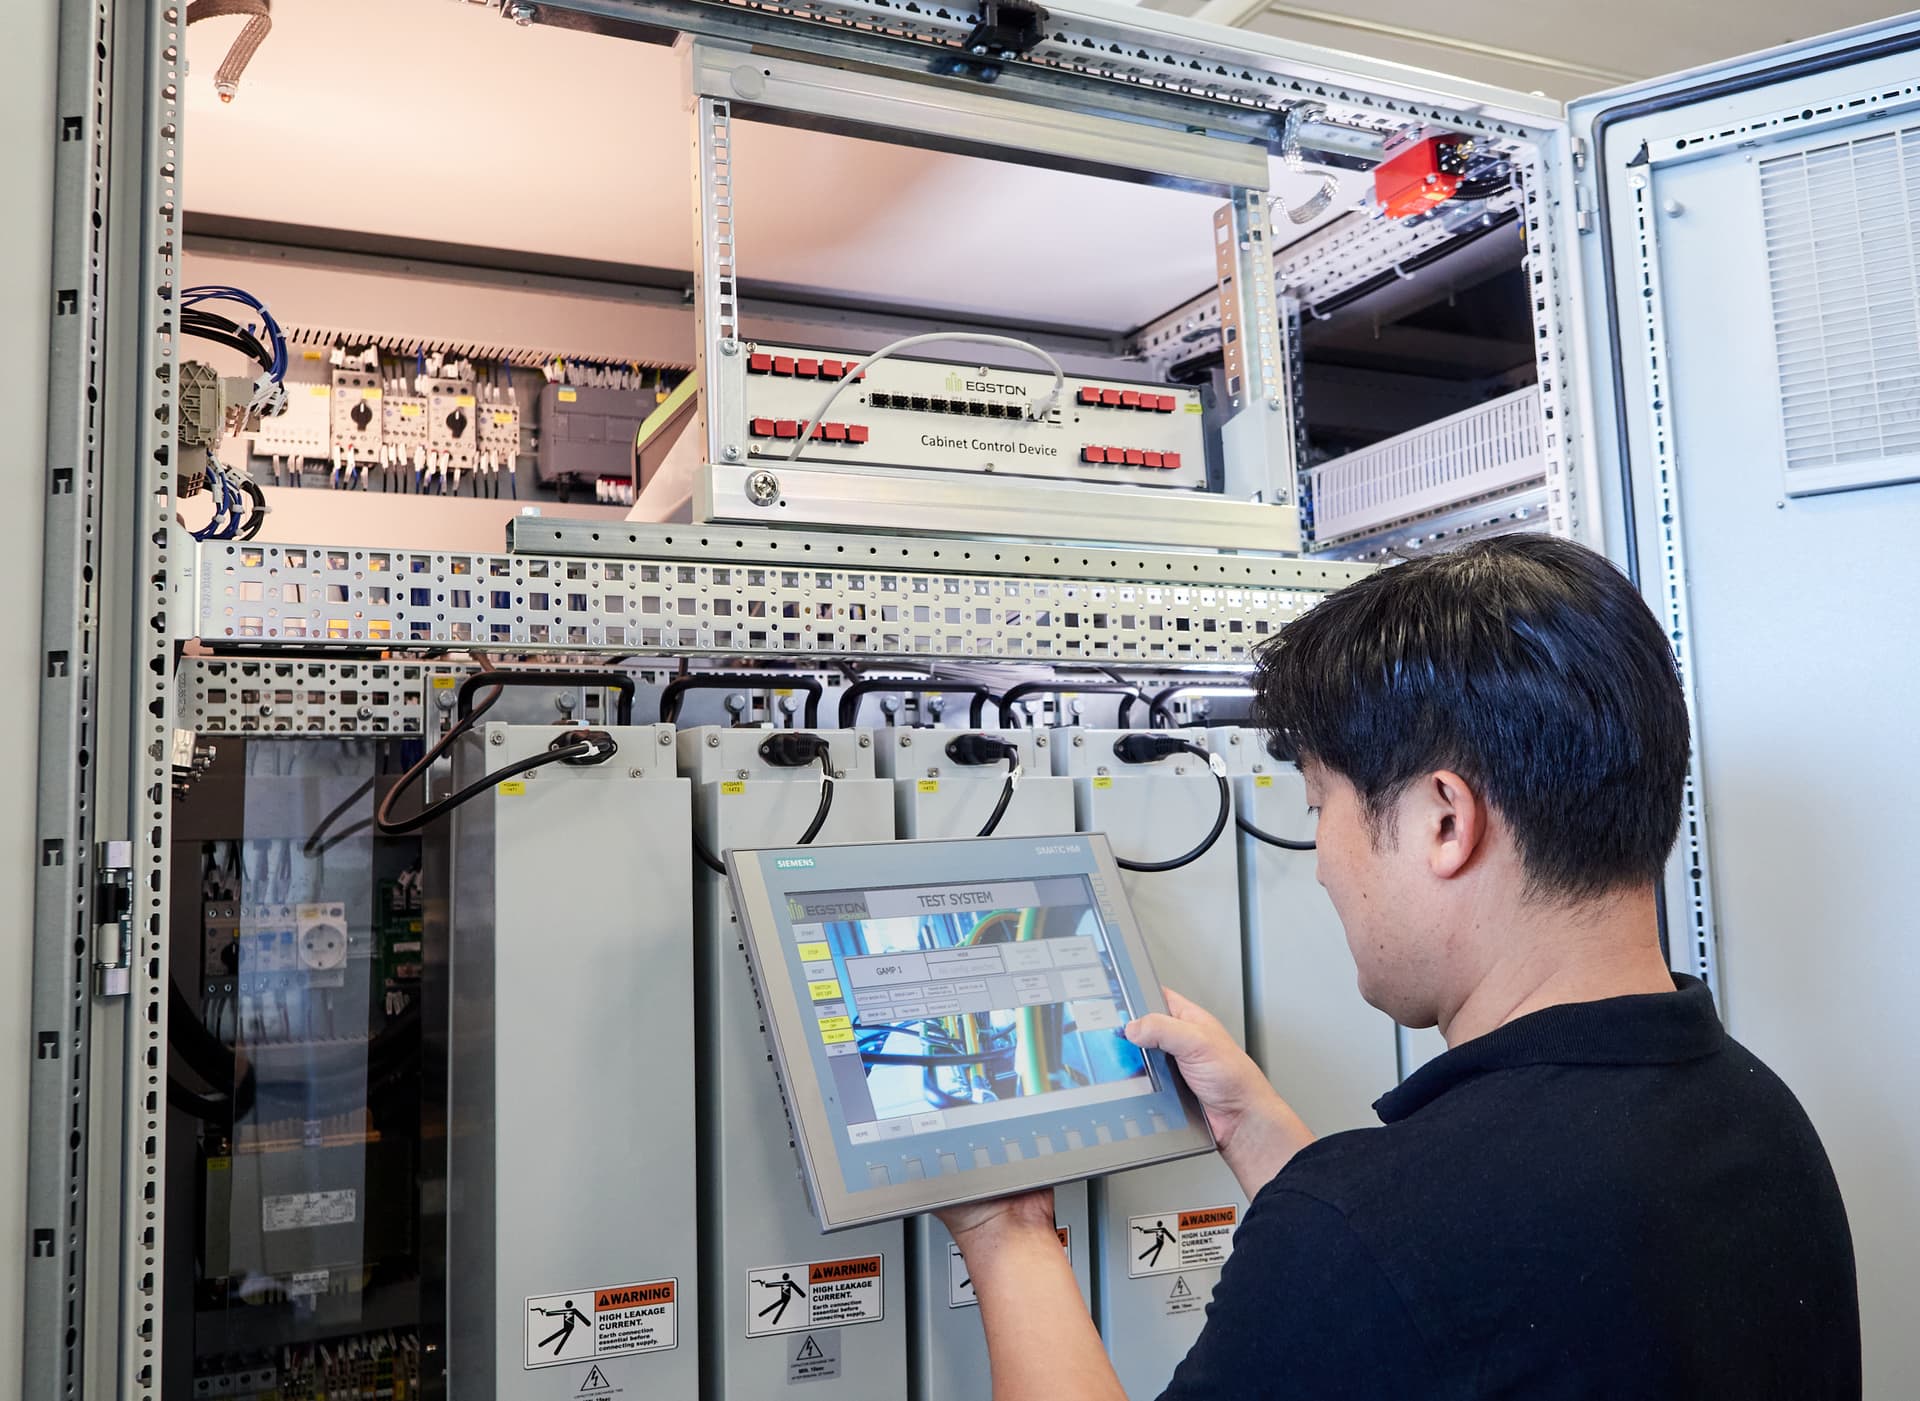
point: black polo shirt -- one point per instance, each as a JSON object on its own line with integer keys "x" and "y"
{"x": 1604, "y": 1199}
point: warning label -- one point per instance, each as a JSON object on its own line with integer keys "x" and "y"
{"x": 814, "y": 1294}
{"x": 1180, "y": 1240}
{"x": 1182, "y": 1298}
{"x": 581, "y": 1325}
{"x": 301, "y": 1211}
{"x": 960, "y": 1283}
{"x": 814, "y": 1357}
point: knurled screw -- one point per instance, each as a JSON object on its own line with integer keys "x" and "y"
{"x": 666, "y": 739}
{"x": 866, "y": 741}
{"x": 713, "y": 741}
{"x": 497, "y": 737}
{"x": 763, "y": 488}
{"x": 905, "y": 740}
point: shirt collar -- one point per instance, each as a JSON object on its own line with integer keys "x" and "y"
{"x": 1652, "y": 1028}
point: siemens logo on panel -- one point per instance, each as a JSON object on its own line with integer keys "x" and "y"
{"x": 787, "y": 863}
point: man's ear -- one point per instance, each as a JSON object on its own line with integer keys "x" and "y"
{"x": 1451, "y": 820}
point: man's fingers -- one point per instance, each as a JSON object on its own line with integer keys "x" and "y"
{"x": 1173, "y": 1035}
{"x": 1187, "y": 1010}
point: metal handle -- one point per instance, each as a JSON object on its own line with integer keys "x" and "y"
{"x": 616, "y": 680}
{"x": 739, "y": 681}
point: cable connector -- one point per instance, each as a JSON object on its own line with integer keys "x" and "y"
{"x": 793, "y": 749}
{"x": 1146, "y": 747}
{"x": 976, "y": 750}
{"x": 599, "y": 747}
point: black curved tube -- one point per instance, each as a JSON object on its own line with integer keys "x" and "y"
{"x": 486, "y": 680}
{"x": 571, "y": 747}
{"x": 1142, "y": 749}
{"x": 1284, "y": 843}
{"x": 1059, "y": 688}
{"x": 1159, "y": 717}
{"x": 850, "y": 698}
{"x": 677, "y": 689}
{"x": 719, "y": 867}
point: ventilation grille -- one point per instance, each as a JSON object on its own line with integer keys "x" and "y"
{"x": 1493, "y": 447}
{"x": 1843, "y": 264}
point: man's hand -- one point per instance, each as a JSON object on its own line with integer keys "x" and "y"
{"x": 1257, "y": 1131}
{"x": 983, "y": 1222}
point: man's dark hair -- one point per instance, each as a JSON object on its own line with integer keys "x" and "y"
{"x": 1527, "y": 665}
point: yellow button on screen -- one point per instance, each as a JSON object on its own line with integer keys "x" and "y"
{"x": 814, "y": 953}
{"x": 824, "y": 992}
{"x": 836, "y": 1023}
{"x": 836, "y": 1038}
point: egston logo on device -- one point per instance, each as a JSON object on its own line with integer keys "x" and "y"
{"x": 787, "y": 863}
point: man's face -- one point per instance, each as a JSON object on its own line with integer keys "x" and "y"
{"x": 1376, "y": 882}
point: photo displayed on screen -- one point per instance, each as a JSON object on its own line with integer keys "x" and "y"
{"x": 959, "y": 1003}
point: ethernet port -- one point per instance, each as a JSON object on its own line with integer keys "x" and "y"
{"x": 996, "y": 410}
{"x": 880, "y": 400}
{"x": 974, "y": 406}
{"x": 937, "y": 405}
{"x": 918, "y": 403}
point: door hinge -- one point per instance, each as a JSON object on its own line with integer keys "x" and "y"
{"x": 1582, "y": 208}
{"x": 113, "y": 920}
{"x": 1578, "y": 144}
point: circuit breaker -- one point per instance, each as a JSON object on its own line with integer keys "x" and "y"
{"x": 781, "y": 1303}
{"x": 571, "y": 1191}
{"x": 937, "y": 796}
{"x": 1328, "y": 1053}
{"x": 1162, "y": 1233}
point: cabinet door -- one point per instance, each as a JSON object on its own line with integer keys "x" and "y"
{"x": 1751, "y": 257}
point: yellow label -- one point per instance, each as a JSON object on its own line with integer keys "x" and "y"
{"x": 1104, "y": 781}
{"x": 512, "y": 788}
{"x": 567, "y": 396}
{"x": 835, "y": 1038}
{"x": 836, "y": 1023}
{"x": 465, "y": 401}
{"x": 1264, "y": 780}
{"x": 311, "y": 354}
{"x": 787, "y": 692}
{"x": 370, "y": 394}
{"x": 219, "y": 1164}
{"x": 734, "y": 788}
{"x": 929, "y": 785}
{"x": 814, "y": 953}
{"x": 829, "y": 991}
{"x": 409, "y": 411}
{"x": 1193, "y": 408}
{"x": 445, "y": 683}
{"x": 502, "y": 417}
{"x": 320, "y": 389}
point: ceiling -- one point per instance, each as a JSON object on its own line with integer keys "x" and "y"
{"x": 429, "y": 121}
{"x": 1555, "y": 47}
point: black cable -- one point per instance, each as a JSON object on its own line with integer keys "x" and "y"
{"x": 1144, "y": 748}
{"x": 210, "y": 326}
{"x": 893, "y": 1058}
{"x": 383, "y": 815}
{"x": 719, "y": 867}
{"x": 574, "y": 747}
{"x": 1284, "y": 843}
{"x": 975, "y": 749}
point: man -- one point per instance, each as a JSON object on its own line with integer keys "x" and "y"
{"x": 1594, "y": 1192}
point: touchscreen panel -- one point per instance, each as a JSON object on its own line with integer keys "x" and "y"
{"x": 960, "y": 1011}
{"x": 967, "y": 1004}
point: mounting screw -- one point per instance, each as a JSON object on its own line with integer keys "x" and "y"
{"x": 731, "y": 452}
{"x": 1274, "y": 403}
{"x": 866, "y": 741}
{"x": 1079, "y": 740}
{"x": 666, "y": 739}
{"x": 713, "y": 741}
{"x": 497, "y": 737}
{"x": 905, "y": 740}
{"x": 522, "y": 13}
{"x": 933, "y": 773}
{"x": 1039, "y": 741}
{"x": 636, "y": 773}
{"x": 729, "y": 346}
{"x": 763, "y": 488}
{"x": 1234, "y": 738}
{"x": 1672, "y": 208}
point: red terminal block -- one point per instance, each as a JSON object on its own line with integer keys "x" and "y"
{"x": 762, "y": 428}
{"x": 1164, "y": 403}
{"x": 783, "y": 364}
{"x": 819, "y": 432}
{"x": 1089, "y": 394}
{"x": 1130, "y": 398}
{"x": 806, "y": 369}
{"x": 1424, "y": 174}
{"x": 836, "y": 432}
{"x": 1093, "y": 454}
{"x": 1136, "y": 458}
{"x": 856, "y": 432}
{"x": 786, "y": 428}
{"x": 759, "y": 364}
{"x": 1154, "y": 459}
{"x": 1110, "y": 397}
{"x": 832, "y": 369}
{"x": 1170, "y": 461}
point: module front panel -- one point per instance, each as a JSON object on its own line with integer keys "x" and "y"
{"x": 942, "y": 415}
